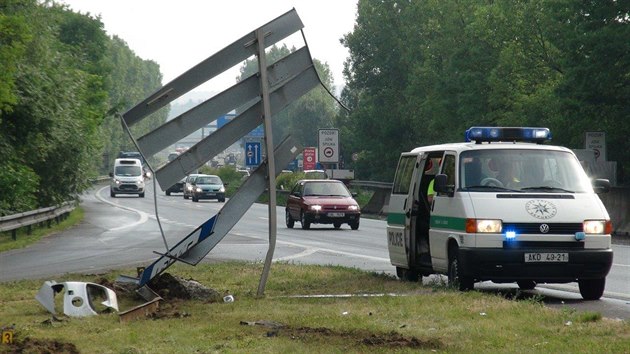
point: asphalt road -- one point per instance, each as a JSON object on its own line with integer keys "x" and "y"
{"x": 124, "y": 232}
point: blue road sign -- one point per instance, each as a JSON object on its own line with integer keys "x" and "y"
{"x": 252, "y": 154}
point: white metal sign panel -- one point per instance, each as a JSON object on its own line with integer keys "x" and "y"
{"x": 596, "y": 141}
{"x": 328, "y": 142}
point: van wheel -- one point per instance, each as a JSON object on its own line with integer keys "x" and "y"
{"x": 526, "y": 284}
{"x": 455, "y": 278}
{"x": 288, "y": 219}
{"x": 141, "y": 195}
{"x": 592, "y": 289}
{"x": 185, "y": 196}
{"x": 408, "y": 274}
{"x": 112, "y": 194}
{"x": 305, "y": 224}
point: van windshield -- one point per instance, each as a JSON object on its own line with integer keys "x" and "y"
{"x": 128, "y": 171}
{"x": 522, "y": 171}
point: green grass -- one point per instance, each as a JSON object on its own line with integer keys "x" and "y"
{"x": 24, "y": 239}
{"x": 418, "y": 319}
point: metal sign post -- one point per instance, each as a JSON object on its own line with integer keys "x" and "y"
{"x": 271, "y": 167}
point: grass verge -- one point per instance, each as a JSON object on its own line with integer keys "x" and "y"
{"x": 416, "y": 319}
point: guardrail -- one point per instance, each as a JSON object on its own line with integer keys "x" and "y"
{"x": 26, "y": 219}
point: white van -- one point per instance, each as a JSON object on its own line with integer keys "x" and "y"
{"x": 127, "y": 178}
{"x": 506, "y": 209}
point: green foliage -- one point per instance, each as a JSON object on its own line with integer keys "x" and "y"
{"x": 61, "y": 77}
{"x": 420, "y": 73}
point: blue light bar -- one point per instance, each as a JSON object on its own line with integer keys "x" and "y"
{"x": 524, "y": 134}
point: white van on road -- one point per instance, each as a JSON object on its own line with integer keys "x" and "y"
{"x": 507, "y": 208}
{"x": 127, "y": 178}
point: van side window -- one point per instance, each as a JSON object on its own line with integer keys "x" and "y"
{"x": 402, "y": 181}
{"x": 448, "y": 168}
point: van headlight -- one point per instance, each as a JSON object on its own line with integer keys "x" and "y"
{"x": 481, "y": 226}
{"x": 597, "y": 227}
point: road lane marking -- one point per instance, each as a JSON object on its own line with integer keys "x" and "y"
{"x": 144, "y": 217}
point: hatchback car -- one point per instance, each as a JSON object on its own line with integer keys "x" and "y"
{"x": 208, "y": 187}
{"x": 188, "y": 185}
{"x": 322, "y": 201}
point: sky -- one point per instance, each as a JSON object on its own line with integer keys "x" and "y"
{"x": 180, "y": 34}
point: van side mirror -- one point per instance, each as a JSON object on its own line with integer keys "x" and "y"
{"x": 601, "y": 185}
{"x": 440, "y": 185}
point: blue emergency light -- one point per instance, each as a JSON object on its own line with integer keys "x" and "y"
{"x": 508, "y": 134}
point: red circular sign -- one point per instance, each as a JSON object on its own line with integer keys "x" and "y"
{"x": 328, "y": 152}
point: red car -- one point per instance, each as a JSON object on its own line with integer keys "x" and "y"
{"x": 322, "y": 201}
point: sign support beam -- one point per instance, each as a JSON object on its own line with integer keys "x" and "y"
{"x": 264, "y": 89}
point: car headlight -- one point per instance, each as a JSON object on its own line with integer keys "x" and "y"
{"x": 490, "y": 226}
{"x": 597, "y": 227}
{"x": 315, "y": 207}
{"x": 353, "y": 207}
{"x": 198, "y": 190}
{"x": 222, "y": 189}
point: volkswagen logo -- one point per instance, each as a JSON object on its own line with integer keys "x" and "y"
{"x": 544, "y": 228}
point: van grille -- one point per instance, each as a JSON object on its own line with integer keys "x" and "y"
{"x": 536, "y": 228}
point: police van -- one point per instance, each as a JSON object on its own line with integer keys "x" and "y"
{"x": 506, "y": 208}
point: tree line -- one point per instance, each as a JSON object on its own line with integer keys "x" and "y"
{"x": 63, "y": 81}
{"x": 421, "y": 72}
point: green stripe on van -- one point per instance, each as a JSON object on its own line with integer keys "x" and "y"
{"x": 396, "y": 219}
{"x": 448, "y": 222}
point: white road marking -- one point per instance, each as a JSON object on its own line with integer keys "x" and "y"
{"x": 144, "y": 217}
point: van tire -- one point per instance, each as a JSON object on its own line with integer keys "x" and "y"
{"x": 408, "y": 275}
{"x": 592, "y": 289}
{"x": 185, "y": 196}
{"x": 112, "y": 194}
{"x": 455, "y": 279}
{"x": 526, "y": 284}
{"x": 141, "y": 195}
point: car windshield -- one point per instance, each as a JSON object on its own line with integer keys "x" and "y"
{"x": 208, "y": 180}
{"x": 325, "y": 189}
{"x": 522, "y": 170}
{"x": 128, "y": 171}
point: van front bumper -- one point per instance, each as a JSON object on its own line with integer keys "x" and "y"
{"x": 508, "y": 265}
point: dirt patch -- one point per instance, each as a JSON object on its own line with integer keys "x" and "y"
{"x": 35, "y": 346}
{"x": 388, "y": 340}
{"x": 170, "y": 288}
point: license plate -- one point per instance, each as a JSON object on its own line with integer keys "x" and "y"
{"x": 546, "y": 257}
{"x": 336, "y": 215}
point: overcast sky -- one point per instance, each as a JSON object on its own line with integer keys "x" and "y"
{"x": 180, "y": 34}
